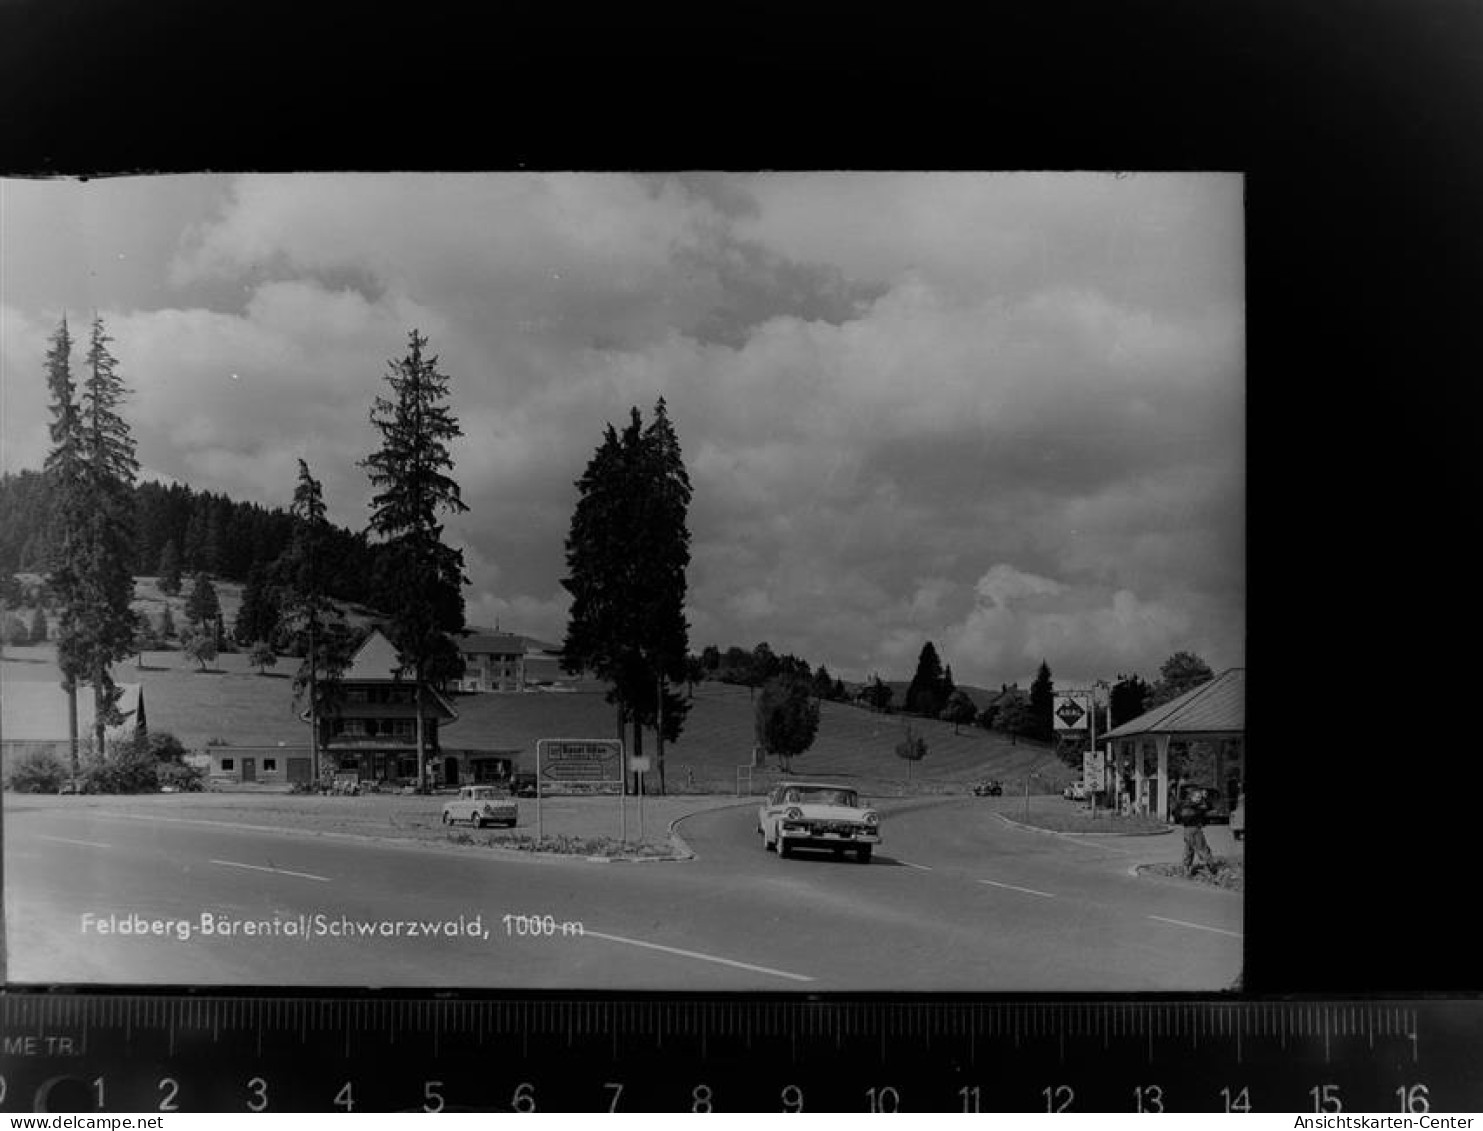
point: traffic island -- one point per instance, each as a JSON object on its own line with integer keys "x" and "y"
{"x": 1230, "y": 873}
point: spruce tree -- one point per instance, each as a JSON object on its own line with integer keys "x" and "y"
{"x": 203, "y": 607}
{"x": 104, "y": 621}
{"x": 67, "y": 520}
{"x": 924, "y": 693}
{"x": 421, "y": 578}
{"x": 308, "y": 620}
{"x": 627, "y": 552}
{"x": 169, "y": 569}
{"x": 1042, "y": 700}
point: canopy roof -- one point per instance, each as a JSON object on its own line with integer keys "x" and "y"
{"x": 1215, "y": 707}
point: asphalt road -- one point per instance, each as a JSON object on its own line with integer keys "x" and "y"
{"x": 956, "y": 899}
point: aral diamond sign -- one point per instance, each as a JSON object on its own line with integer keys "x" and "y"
{"x": 1072, "y": 711}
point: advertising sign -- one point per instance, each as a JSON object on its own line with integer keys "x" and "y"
{"x": 1072, "y": 711}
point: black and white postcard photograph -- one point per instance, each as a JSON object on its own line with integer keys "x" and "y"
{"x": 691, "y": 581}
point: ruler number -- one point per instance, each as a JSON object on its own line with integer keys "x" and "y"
{"x": 1414, "y": 1098}
{"x": 259, "y": 1088}
{"x": 3, "y": 1089}
{"x": 700, "y": 1098}
{"x": 432, "y": 1095}
{"x": 171, "y": 1089}
{"x": 524, "y": 1099}
{"x": 617, "y": 1090}
{"x": 1326, "y": 1097}
{"x": 883, "y": 1099}
{"x": 792, "y": 1099}
{"x": 1150, "y": 1098}
{"x": 1241, "y": 1101}
{"x": 1058, "y": 1098}
{"x": 345, "y": 1097}
{"x": 971, "y": 1097}
{"x": 98, "y": 1087}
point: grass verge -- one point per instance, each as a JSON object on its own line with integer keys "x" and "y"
{"x": 1230, "y": 873}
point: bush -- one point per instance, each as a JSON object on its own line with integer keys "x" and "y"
{"x": 179, "y": 777}
{"x": 163, "y": 746}
{"x": 37, "y": 772}
{"x": 127, "y": 766}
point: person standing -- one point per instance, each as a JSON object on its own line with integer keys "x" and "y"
{"x": 1191, "y": 813}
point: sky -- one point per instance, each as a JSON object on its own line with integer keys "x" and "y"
{"x": 1003, "y": 412}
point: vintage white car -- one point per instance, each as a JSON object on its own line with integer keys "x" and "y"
{"x": 814, "y": 815}
{"x": 479, "y": 804}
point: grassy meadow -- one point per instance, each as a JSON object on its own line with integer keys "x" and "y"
{"x": 231, "y": 702}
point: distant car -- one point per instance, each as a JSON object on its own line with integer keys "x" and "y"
{"x": 993, "y": 787}
{"x": 815, "y": 815}
{"x": 523, "y": 784}
{"x": 1076, "y": 791}
{"x": 73, "y": 786}
{"x": 481, "y": 805}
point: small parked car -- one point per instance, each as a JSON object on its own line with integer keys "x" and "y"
{"x": 523, "y": 784}
{"x": 800, "y": 814}
{"x": 1076, "y": 791}
{"x": 481, "y": 805}
{"x": 991, "y": 787}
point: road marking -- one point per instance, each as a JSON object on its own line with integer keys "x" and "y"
{"x": 1197, "y": 926}
{"x": 1011, "y": 887}
{"x": 918, "y": 867}
{"x": 275, "y": 871}
{"x": 67, "y": 840}
{"x": 697, "y": 954}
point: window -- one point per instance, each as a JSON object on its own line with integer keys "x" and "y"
{"x": 355, "y": 695}
{"x": 270, "y": 764}
{"x": 228, "y": 764}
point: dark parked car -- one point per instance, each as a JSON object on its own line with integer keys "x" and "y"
{"x": 992, "y": 787}
{"x": 523, "y": 784}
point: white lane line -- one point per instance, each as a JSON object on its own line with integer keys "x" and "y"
{"x": 918, "y": 867}
{"x": 275, "y": 871}
{"x": 1011, "y": 887}
{"x": 697, "y": 954}
{"x": 68, "y": 840}
{"x": 1198, "y": 926}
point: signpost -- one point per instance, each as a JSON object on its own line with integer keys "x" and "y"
{"x": 584, "y": 762}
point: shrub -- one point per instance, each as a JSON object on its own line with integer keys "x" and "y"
{"x": 179, "y": 776}
{"x": 163, "y": 746}
{"x": 38, "y": 771}
{"x": 127, "y": 766}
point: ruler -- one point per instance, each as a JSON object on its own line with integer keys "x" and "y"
{"x": 75, "y": 1052}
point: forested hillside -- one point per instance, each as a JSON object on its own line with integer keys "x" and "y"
{"x": 201, "y": 531}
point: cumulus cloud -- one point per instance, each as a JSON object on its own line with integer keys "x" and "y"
{"x": 880, "y": 382}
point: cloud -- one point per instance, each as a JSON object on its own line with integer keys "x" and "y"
{"x": 1001, "y": 412}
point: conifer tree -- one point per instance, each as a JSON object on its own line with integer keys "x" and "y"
{"x": 420, "y": 578}
{"x": 627, "y": 552}
{"x": 169, "y": 569}
{"x": 104, "y": 616}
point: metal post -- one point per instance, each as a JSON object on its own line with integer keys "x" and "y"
{"x": 641, "y": 808}
{"x": 539, "y": 826}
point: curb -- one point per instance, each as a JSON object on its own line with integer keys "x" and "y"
{"x": 1137, "y": 872}
{"x": 1057, "y": 832}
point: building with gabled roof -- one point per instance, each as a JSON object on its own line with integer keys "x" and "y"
{"x": 1214, "y": 712}
{"x": 34, "y": 716}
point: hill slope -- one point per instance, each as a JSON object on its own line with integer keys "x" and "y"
{"x": 231, "y": 702}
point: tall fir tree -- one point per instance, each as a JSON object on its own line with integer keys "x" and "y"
{"x": 66, "y": 523}
{"x": 924, "y": 695}
{"x": 308, "y": 619}
{"x": 104, "y": 621}
{"x": 1042, "y": 700}
{"x": 627, "y": 552}
{"x": 420, "y": 578}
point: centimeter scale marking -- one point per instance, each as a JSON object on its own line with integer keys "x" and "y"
{"x": 137, "y": 1052}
